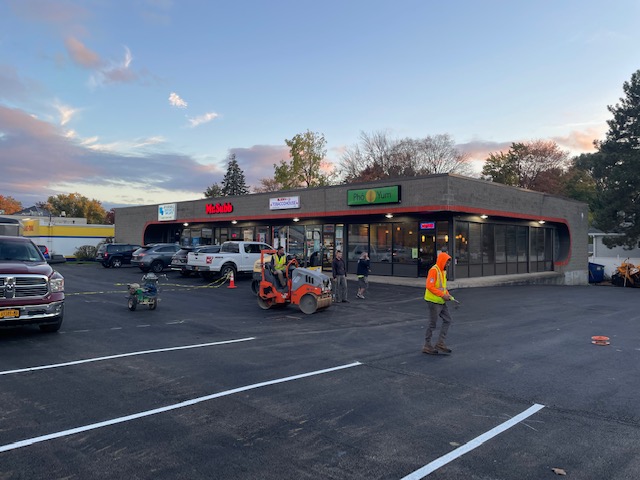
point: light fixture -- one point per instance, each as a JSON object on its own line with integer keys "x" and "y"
{"x": 234, "y": 221}
{"x": 484, "y": 217}
{"x": 296, "y": 219}
{"x": 389, "y": 215}
{"x": 185, "y": 224}
{"x": 541, "y": 222}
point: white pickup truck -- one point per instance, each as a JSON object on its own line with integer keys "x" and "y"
{"x": 234, "y": 256}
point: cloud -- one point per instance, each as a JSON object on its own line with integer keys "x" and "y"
{"x": 12, "y": 87}
{"x": 52, "y": 12}
{"x": 116, "y": 72}
{"x": 206, "y": 118}
{"x": 40, "y": 159}
{"x": 65, "y": 113}
{"x": 80, "y": 54}
{"x": 581, "y": 141}
{"x": 176, "y": 101}
{"x": 257, "y": 161}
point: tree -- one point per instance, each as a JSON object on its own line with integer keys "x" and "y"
{"x": 234, "y": 182}
{"x": 267, "y": 185}
{"x": 76, "y": 205}
{"x": 213, "y": 191}
{"x": 377, "y": 157}
{"x": 523, "y": 165}
{"x": 110, "y": 217}
{"x": 9, "y": 205}
{"x": 615, "y": 169}
{"x": 305, "y": 167}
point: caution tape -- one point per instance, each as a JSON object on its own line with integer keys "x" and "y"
{"x": 215, "y": 284}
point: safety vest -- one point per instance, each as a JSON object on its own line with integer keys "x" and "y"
{"x": 280, "y": 262}
{"x": 441, "y": 284}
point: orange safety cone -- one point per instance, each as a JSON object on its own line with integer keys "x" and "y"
{"x": 232, "y": 283}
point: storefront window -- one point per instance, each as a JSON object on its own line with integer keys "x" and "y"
{"x": 405, "y": 243}
{"x": 296, "y": 241}
{"x": 380, "y": 242}
{"x": 358, "y": 240}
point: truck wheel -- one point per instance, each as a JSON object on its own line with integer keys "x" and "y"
{"x": 157, "y": 266}
{"x": 227, "y": 270}
{"x": 308, "y": 304}
{"x": 116, "y": 262}
{"x": 133, "y": 302}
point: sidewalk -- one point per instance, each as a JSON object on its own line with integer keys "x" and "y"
{"x": 549, "y": 278}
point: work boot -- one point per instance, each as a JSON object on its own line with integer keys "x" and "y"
{"x": 430, "y": 350}
{"x": 442, "y": 347}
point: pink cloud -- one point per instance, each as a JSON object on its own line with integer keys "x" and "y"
{"x": 80, "y": 54}
{"x": 55, "y": 12}
{"x": 257, "y": 162}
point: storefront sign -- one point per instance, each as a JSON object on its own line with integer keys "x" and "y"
{"x": 428, "y": 226}
{"x": 374, "y": 196}
{"x": 284, "y": 203}
{"x": 167, "y": 212}
{"x": 213, "y": 208}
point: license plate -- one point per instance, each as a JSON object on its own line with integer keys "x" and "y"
{"x": 13, "y": 313}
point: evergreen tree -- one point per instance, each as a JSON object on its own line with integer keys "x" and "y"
{"x": 234, "y": 182}
{"x": 213, "y": 191}
{"x": 615, "y": 168}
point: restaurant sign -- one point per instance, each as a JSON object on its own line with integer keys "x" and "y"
{"x": 214, "y": 208}
{"x": 374, "y": 196}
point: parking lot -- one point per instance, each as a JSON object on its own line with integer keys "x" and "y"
{"x": 209, "y": 386}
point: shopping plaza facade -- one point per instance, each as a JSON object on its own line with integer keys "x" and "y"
{"x": 489, "y": 229}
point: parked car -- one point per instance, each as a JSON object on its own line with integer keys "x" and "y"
{"x": 45, "y": 251}
{"x": 31, "y": 291}
{"x": 179, "y": 260}
{"x": 115, "y": 254}
{"x": 155, "y": 257}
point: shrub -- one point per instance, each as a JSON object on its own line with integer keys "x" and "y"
{"x": 85, "y": 252}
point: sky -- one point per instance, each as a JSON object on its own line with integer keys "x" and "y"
{"x": 137, "y": 102}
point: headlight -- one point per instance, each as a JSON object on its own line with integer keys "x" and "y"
{"x": 57, "y": 285}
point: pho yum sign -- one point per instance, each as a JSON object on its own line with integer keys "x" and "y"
{"x": 212, "y": 208}
{"x": 284, "y": 203}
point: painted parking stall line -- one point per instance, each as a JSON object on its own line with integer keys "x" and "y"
{"x": 473, "y": 444}
{"x": 122, "y": 355}
{"x": 187, "y": 403}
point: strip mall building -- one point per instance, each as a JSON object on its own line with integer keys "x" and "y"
{"x": 488, "y": 228}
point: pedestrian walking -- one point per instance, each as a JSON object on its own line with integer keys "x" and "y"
{"x": 364, "y": 268}
{"x": 339, "y": 271}
{"x": 436, "y": 295}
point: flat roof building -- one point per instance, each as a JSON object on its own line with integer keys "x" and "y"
{"x": 488, "y": 228}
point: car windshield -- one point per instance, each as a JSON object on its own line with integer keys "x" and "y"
{"x": 18, "y": 251}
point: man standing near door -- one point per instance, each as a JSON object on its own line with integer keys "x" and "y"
{"x": 339, "y": 271}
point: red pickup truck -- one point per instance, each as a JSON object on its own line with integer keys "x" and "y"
{"x": 31, "y": 292}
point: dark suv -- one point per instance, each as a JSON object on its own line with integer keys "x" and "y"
{"x": 154, "y": 257}
{"x": 115, "y": 254}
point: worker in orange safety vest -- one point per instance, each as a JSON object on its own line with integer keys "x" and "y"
{"x": 437, "y": 295}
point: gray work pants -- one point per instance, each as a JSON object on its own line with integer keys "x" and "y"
{"x": 340, "y": 288}
{"x": 437, "y": 310}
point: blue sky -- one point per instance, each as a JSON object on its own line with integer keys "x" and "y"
{"x": 141, "y": 101}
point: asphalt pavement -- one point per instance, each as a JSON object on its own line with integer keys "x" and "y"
{"x": 210, "y": 386}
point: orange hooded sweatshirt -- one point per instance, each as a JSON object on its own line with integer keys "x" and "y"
{"x": 437, "y": 280}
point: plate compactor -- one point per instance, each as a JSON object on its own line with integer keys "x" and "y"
{"x": 309, "y": 289}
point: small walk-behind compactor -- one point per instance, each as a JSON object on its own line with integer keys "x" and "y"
{"x": 309, "y": 289}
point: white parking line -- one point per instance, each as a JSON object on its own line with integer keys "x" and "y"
{"x": 475, "y": 443}
{"x": 111, "y": 357}
{"x": 187, "y": 403}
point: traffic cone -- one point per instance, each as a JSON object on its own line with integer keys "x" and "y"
{"x": 232, "y": 283}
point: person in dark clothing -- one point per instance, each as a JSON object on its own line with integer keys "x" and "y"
{"x": 339, "y": 271}
{"x": 364, "y": 267}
